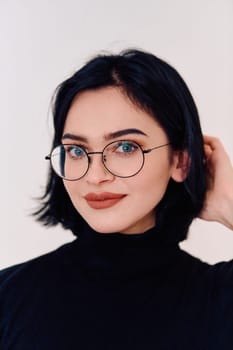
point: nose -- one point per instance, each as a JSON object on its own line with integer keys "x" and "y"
{"x": 97, "y": 172}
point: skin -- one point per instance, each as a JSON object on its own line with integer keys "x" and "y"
{"x": 218, "y": 205}
{"x": 95, "y": 114}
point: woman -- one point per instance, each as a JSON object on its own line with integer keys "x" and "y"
{"x": 129, "y": 172}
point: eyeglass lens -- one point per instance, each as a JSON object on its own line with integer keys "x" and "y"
{"x": 121, "y": 158}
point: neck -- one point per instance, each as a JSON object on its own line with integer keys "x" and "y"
{"x": 117, "y": 255}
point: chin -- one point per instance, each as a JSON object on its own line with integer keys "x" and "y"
{"x": 112, "y": 222}
{"x": 106, "y": 224}
{"x": 116, "y": 227}
{"x": 105, "y": 227}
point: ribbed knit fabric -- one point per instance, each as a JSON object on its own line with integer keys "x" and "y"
{"x": 115, "y": 291}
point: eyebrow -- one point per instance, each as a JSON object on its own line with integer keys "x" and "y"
{"x": 108, "y": 137}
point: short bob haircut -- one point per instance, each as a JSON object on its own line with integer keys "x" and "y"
{"x": 157, "y": 88}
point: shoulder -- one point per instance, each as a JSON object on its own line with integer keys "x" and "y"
{"x": 221, "y": 272}
{"x": 210, "y": 282}
{"x": 34, "y": 268}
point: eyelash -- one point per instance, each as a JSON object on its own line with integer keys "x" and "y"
{"x": 89, "y": 150}
{"x": 78, "y": 145}
{"x": 81, "y": 146}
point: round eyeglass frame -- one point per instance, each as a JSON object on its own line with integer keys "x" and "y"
{"x": 144, "y": 151}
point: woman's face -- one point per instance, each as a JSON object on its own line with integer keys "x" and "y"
{"x": 96, "y": 118}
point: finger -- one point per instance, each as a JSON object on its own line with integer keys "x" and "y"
{"x": 213, "y": 142}
{"x": 208, "y": 151}
{"x": 217, "y": 147}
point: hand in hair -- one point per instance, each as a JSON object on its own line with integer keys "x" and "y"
{"x": 218, "y": 204}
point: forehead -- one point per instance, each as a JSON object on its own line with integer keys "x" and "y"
{"x": 95, "y": 113}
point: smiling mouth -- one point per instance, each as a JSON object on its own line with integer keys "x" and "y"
{"x": 103, "y": 200}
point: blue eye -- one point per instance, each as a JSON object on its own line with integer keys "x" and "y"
{"x": 127, "y": 147}
{"x": 75, "y": 152}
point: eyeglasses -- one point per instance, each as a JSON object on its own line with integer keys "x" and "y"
{"x": 122, "y": 158}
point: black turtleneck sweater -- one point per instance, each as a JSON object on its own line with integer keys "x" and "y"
{"x": 116, "y": 292}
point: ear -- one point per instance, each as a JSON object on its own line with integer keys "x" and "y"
{"x": 181, "y": 164}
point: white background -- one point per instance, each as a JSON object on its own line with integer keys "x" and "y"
{"x": 43, "y": 42}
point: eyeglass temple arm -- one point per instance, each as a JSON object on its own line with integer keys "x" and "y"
{"x": 151, "y": 149}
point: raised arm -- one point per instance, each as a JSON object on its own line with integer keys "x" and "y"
{"x": 218, "y": 205}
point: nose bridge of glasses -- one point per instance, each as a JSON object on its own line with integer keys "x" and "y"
{"x": 97, "y": 171}
{"x": 103, "y": 156}
{"x": 94, "y": 153}
{"x": 91, "y": 153}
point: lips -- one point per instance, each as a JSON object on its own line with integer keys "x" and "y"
{"x": 103, "y": 200}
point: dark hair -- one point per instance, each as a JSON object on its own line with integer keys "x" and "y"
{"x": 157, "y": 88}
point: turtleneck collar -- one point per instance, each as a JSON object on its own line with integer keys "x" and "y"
{"x": 117, "y": 255}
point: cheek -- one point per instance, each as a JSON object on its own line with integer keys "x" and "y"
{"x": 150, "y": 184}
{"x": 73, "y": 189}
{"x": 153, "y": 176}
